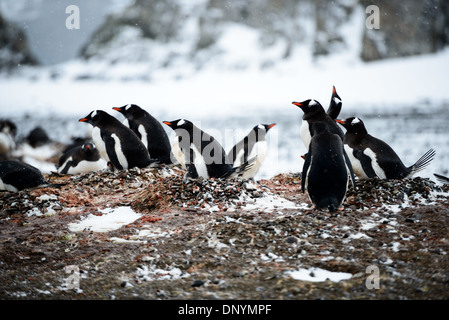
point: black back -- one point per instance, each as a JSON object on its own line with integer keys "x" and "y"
{"x": 21, "y": 175}
{"x": 325, "y": 169}
{"x": 218, "y": 164}
{"x": 157, "y": 142}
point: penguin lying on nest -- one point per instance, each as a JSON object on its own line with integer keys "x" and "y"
{"x": 16, "y": 176}
{"x": 372, "y": 157}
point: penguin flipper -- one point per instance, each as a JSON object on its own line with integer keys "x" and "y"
{"x": 113, "y": 159}
{"x": 66, "y": 167}
{"x": 305, "y": 168}
{"x": 334, "y": 109}
{"x": 349, "y": 166}
{"x": 191, "y": 173}
{"x": 365, "y": 161}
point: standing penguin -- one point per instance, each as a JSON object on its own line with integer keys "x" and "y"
{"x": 326, "y": 169}
{"x": 8, "y": 131}
{"x": 372, "y": 157}
{"x": 314, "y": 112}
{"x": 335, "y": 105}
{"x": 203, "y": 155}
{"x": 149, "y": 130}
{"x": 117, "y": 143}
{"x": 16, "y": 176}
{"x": 253, "y": 145}
{"x": 81, "y": 159}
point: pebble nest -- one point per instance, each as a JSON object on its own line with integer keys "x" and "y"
{"x": 206, "y": 244}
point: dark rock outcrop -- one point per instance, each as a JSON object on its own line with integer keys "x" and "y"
{"x": 406, "y": 28}
{"x": 14, "y": 48}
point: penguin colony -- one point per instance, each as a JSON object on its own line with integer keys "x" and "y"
{"x": 332, "y": 161}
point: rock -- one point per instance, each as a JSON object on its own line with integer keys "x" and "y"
{"x": 406, "y": 28}
{"x": 14, "y": 49}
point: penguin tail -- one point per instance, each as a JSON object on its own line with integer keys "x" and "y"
{"x": 422, "y": 162}
{"x": 441, "y": 178}
{"x": 245, "y": 166}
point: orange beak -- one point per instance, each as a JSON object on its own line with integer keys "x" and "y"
{"x": 116, "y": 109}
{"x": 340, "y": 121}
{"x": 298, "y": 104}
{"x": 167, "y": 123}
{"x": 271, "y": 125}
{"x": 82, "y": 120}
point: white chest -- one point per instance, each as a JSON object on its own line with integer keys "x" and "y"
{"x": 305, "y": 133}
{"x": 99, "y": 143}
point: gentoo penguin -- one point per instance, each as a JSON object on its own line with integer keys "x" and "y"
{"x": 38, "y": 137}
{"x": 372, "y": 157}
{"x": 253, "y": 145}
{"x": 441, "y": 178}
{"x": 326, "y": 169}
{"x": 81, "y": 159}
{"x": 204, "y": 156}
{"x": 149, "y": 130}
{"x": 8, "y": 131}
{"x": 16, "y": 176}
{"x": 335, "y": 105}
{"x": 117, "y": 143}
{"x": 314, "y": 112}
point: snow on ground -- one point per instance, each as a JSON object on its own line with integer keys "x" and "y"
{"x": 111, "y": 219}
{"x": 318, "y": 275}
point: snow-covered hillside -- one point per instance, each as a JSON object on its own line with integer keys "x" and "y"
{"x": 241, "y": 85}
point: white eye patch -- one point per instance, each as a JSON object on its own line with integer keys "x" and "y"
{"x": 181, "y": 122}
{"x": 312, "y": 103}
{"x": 94, "y": 114}
{"x": 355, "y": 121}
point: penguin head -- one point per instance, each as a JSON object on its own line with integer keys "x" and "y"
{"x": 89, "y": 151}
{"x": 88, "y": 148}
{"x": 266, "y": 127}
{"x": 335, "y": 95}
{"x": 128, "y": 110}
{"x": 93, "y": 117}
{"x": 353, "y": 125}
{"x": 179, "y": 124}
{"x": 8, "y": 127}
{"x": 310, "y": 107}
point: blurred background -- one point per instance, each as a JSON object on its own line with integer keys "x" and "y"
{"x": 229, "y": 65}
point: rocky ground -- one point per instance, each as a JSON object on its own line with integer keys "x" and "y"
{"x": 223, "y": 240}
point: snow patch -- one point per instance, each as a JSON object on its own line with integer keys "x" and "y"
{"x": 111, "y": 219}
{"x": 318, "y": 275}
